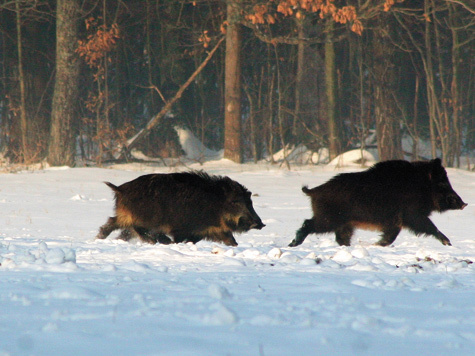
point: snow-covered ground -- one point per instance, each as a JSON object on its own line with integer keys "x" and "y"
{"x": 64, "y": 293}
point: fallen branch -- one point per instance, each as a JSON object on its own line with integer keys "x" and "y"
{"x": 132, "y": 142}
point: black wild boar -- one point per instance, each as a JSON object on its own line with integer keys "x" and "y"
{"x": 387, "y": 197}
{"x": 187, "y": 207}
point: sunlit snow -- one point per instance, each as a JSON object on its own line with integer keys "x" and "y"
{"x": 64, "y": 293}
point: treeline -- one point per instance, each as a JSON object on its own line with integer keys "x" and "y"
{"x": 81, "y": 78}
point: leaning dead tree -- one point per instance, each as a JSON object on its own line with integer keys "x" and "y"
{"x": 132, "y": 142}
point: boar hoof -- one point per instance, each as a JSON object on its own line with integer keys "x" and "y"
{"x": 382, "y": 243}
{"x": 231, "y": 243}
{"x": 446, "y": 242}
{"x": 442, "y": 238}
{"x": 229, "y": 240}
{"x": 164, "y": 239}
{"x": 295, "y": 243}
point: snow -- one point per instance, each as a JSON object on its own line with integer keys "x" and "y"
{"x": 353, "y": 158}
{"x": 62, "y": 292}
{"x": 194, "y": 148}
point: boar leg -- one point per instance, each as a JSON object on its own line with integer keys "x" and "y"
{"x": 389, "y": 235}
{"x": 191, "y": 238}
{"x": 127, "y": 234}
{"x": 228, "y": 239}
{"x": 185, "y": 238}
{"x": 152, "y": 237}
{"x": 162, "y": 238}
{"x": 343, "y": 235}
{"x": 424, "y": 225}
{"x": 225, "y": 237}
{"x": 307, "y": 228}
{"x": 107, "y": 228}
{"x": 146, "y": 236}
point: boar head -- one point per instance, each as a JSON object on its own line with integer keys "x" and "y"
{"x": 240, "y": 215}
{"x": 445, "y": 198}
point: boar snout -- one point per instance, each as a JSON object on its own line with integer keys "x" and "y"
{"x": 455, "y": 202}
{"x": 258, "y": 225}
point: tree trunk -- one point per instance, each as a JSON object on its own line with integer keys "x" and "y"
{"x": 333, "y": 127}
{"x": 21, "y": 78}
{"x": 252, "y": 125}
{"x": 232, "y": 95}
{"x": 430, "y": 81}
{"x": 456, "y": 144}
{"x": 299, "y": 78}
{"x": 65, "y": 96}
{"x": 387, "y": 124}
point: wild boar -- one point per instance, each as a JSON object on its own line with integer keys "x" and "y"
{"x": 387, "y": 197}
{"x": 181, "y": 207}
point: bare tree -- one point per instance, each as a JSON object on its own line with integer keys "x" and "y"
{"x": 232, "y": 96}
{"x": 388, "y": 129}
{"x": 444, "y": 51}
{"x": 61, "y": 143}
{"x": 21, "y": 79}
{"x": 330, "y": 90}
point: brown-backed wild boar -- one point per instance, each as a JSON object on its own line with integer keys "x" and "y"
{"x": 389, "y": 196}
{"x": 182, "y": 207}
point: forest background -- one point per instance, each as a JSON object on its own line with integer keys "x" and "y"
{"x": 95, "y": 79}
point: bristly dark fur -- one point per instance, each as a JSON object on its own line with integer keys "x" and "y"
{"x": 387, "y": 197}
{"x": 187, "y": 206}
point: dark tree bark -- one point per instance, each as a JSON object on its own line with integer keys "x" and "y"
{"x": 65, "y": 96}
{"x": 232, "y": 95}
{"x": 21, "y": 79}
{"x": 299, "y": 75}
{"x": 330, "y": 85}
{"x": 388, "y": 129}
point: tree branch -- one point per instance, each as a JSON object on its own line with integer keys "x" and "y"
{"x": 132, "y": 142}
{"x": 465, "y": 6}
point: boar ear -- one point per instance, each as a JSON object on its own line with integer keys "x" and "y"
{"x": 229, "y": 189}
{"x": 436, "y": 171}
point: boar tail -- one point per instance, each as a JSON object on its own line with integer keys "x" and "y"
{"x": 306, "y": 190}
{"x": 112, "y": 186}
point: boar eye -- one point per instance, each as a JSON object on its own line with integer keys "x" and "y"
{"x": 452, "y": 200}
{"x": 443, "y": 186}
